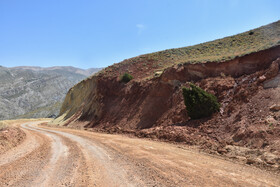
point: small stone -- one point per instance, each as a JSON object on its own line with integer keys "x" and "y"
{"x": 241, "y": 158}
{"x": 158, "y": 73}
{"x": 274, "y": 108}
{"x": 221, "y": 150}
{"x": 276, "y": 115}
{"x": 262, "y": 78}
{"x": 250, "y": 161}
{"x": 270, "y": 158}
{"x": 253, "y": 161}
{"x": 270, "y": 120}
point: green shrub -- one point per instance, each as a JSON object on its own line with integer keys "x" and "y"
{"x": 126, "y": 78}
{"x": 199, "y": 103}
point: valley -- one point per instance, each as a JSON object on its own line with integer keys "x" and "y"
{"x": 34, "y": 92}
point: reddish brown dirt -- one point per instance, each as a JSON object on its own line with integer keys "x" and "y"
{"x": 66, "y": 157}
{"x": 10, "y": 137}
{"x": 155, "y": 109}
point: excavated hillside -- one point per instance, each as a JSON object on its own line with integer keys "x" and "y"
{"x": 241, "y": 70}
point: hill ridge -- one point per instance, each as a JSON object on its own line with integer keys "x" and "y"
{"x": 219, "y": 50}
{"x": 151, "y": 105}
{"x": 35, "y": 91}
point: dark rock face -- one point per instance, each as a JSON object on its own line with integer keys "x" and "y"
{"x": 27, "y": 92}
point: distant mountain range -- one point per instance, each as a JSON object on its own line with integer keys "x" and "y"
{"x": 31, "y": 91}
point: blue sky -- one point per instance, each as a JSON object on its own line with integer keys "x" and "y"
{"x": 89, "y": 33}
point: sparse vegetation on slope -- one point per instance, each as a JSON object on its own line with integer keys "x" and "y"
{"x": 126, "y": 77}
{"x": 214, "y": 51}
{"x": 153, "y": 106}
{"x": 199, "y": 103}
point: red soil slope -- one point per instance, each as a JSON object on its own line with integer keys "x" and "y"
{"x": 245, "y": 129}
{"x": 152, "y": 105}
{"x": 143, "y": 103}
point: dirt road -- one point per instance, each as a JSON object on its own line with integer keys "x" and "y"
{"x": 65, "y": 157}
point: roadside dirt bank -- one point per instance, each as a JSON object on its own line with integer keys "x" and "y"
{"x": 246, "y": 129}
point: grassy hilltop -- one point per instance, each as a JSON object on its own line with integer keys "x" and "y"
{"x": 214, "y": 51}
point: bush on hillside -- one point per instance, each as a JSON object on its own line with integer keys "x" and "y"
{"x": 126, "y": 77}
{"x": 199, "y": 103}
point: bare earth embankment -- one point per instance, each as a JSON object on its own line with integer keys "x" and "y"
{"x": 242, "y": 71}
{"x": 66, "y": 157}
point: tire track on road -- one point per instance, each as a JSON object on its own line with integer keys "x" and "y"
{"x": 102, "y": 169}
{"x": 67, "y": 157}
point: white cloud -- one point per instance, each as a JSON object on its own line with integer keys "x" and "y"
{"x": 233, "y": 3}
{"x": 140, "y": 28}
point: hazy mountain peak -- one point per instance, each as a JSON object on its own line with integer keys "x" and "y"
{"x": 33, "y": 91}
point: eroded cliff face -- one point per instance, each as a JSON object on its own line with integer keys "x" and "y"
{"x": 104, "y": 102}
{"x": 237, "y": 67}
{"x": 247, "y": 128}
